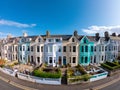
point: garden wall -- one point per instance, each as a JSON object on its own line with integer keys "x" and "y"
{"x": 52, "y": 81}
{"x": 92, "y": 78}
{"x": 112, "y": 72}
{"x": 98, "y": 76}
{"x": 8, "y": 71}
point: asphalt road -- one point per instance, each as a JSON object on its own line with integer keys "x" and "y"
{"x": 115, "y": 86}
{"x": 7, "y": 86}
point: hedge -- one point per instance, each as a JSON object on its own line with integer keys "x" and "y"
{"x": 107, "y": 66}
{"x": 42, "y": 74}
{"x": 110, "y": 65}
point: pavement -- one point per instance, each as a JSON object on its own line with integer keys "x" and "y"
{"x": 35, "y": 86}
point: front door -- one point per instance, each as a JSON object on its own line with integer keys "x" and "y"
{"x": 60, "y": 60}
{"x": 64, "y": 60}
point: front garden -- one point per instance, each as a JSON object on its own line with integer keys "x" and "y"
{"x": 2, "y": 63}
{"x": 84, "y": 74}
{"x": 77, "y": 75}
{"x": 47, "y": 73}
{"x": 111, "y": 65}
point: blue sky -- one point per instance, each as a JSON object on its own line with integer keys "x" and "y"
{"x": 59, "y": 16}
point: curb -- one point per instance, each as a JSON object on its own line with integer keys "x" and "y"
{"x": 17, "y": 85}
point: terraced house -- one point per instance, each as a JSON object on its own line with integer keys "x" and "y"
{"x": 59, "y": 50}
{"x": 24, "y": 48}
{"x": 36, "y": 55}
{"x": 9, "y": 48}
{"x": 86, "y": 51}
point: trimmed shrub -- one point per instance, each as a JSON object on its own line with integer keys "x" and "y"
{"x": 111, "y": 65}
{"x": 43, "y": 74}
{"x": 107, "y": 66}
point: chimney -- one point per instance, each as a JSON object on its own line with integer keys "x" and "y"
{"x": 47, "y": 33}
{"x": 118, "y": 35}
{"x": 25, "y": 34}
{"x": 106, "y": 34}
{"x": 75, "y": 33}
{"x": 97, "y": 37}
{"x": 9, "y": 36}
{"x": 114, "y": 34}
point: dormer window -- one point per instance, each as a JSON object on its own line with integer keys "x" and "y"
{"x": 22, "y": 40}
{"x": 73, "y": 40}
{"x": 39, "y": 40}
{"x": 85, "y": 41}
{"x": 57, "y": 40}
{"x": 50, "y": 40}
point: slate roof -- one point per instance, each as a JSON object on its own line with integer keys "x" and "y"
{"x": 115, "y": 37}
{"x": 32, "y": 37}
{"x": 91, "y": 38}
{"x": 64, "y": 37}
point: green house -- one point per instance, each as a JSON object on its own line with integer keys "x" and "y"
{"x": 86, "y": 51}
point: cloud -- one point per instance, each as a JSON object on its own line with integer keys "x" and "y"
{"x": 15, "y": 24}
{"x": 102, "y": 29}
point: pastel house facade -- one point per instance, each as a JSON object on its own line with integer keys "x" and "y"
{"x": 59, "y": 50}
{"x": 53, "y": 50}
{"x": 37, "y": 51}
{"x": 86, "y": 51}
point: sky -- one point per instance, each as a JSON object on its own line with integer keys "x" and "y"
{"x": 59, "y": 17}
